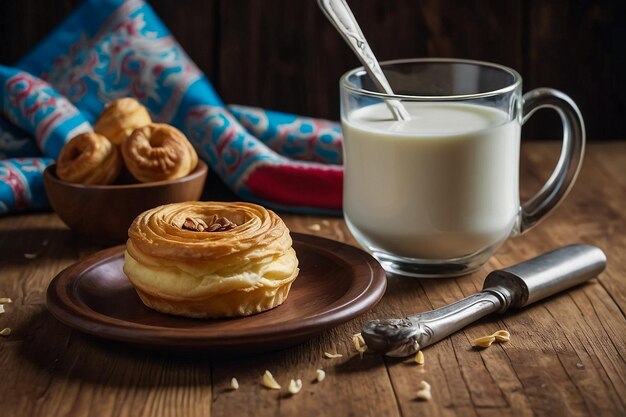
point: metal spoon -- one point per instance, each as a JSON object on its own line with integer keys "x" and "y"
{"x": 340, "y": 15}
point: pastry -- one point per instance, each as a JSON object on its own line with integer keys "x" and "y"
{"x": 89, "y": 158}
{"x": 120, "y": 117}
{"x": 158, "y": 152}
{"x": 210, "y": 259}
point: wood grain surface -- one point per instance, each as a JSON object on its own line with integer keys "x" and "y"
{"x": 567, "y": 355}
{"x": 284, "y": 55}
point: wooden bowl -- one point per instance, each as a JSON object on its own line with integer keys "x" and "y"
{"x": 103, "y": 213}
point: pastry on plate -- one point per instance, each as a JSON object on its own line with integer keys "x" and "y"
{"x": 158, "y": 152}
{"x": 120, "y": 118}
{"x": 89, "y": 159}
{"x": 210, "y": 259}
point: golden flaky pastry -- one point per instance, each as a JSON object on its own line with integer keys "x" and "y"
{"x": 210, "y": 259}
{"x": 158, "y": 152}
{"x": 89, "y": 158}
{"x": 120, "y": 118}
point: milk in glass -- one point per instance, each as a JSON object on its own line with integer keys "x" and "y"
{"x": 441, "y": 185}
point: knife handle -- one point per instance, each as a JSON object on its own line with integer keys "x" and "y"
{"x": 546, "y": 275}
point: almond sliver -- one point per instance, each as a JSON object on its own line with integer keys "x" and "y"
{"x": 269, "y": 381}
{"x": 484, "y": 341}
{"x": 320, "y": 375}
{"x": 419, "y": 358}
{"x": 424, "y": 392}
{"x": 234, "y": 384}
{"x": 295, "y": 385}
{"x": 359, "y": 343}
{"x": 502, "y": 336}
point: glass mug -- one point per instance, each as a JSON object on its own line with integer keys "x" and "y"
{"x": 437, "y": 194}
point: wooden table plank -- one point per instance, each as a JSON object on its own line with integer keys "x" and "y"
{"x": 566, "y": 355}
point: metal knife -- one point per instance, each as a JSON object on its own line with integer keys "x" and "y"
{"x": 513, "y": 287}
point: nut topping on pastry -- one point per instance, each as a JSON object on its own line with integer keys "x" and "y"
{"x": 195, "y": 225}
{"x": 215, "y": 224}
{"x": 220, "y": 224}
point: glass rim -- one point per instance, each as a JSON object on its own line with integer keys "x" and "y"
{"x": 517, "y": 79}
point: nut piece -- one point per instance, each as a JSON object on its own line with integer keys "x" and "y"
{"x": 5, "y": 300}
{"x": 213, "y": 224}
{"x": 194, "y": 225}
{"x": 1, "y": 308}
{"x": 502, "y": 336}
{"x": 295, "y": 386}
{"x": 419, "y": 358}
{"x": 315, "y": 227}
{"x": 30, "y": 255}
{"x": 332, "y": 355}
{"x": 234, "y": 384}
{"x": 269, "y": 381}
{"x": 484, "y": 341}
{"x": 220, "y": 224}
{"x": 5, "y": 332}
{"x": 423, "y": 394}
{"x": 359, "y": 343}
{"x": 320, "y": 375}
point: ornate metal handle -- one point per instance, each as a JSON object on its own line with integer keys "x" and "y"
{"x": 402, "y": 337}
{"x": 340, "y": 15}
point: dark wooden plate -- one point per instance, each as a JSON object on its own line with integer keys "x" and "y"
{"x": 337, "y": 282}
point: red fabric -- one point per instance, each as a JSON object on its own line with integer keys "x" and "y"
{"x": 303, "y": 186}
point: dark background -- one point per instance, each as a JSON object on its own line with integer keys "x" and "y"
{"x": 284, "y": 55}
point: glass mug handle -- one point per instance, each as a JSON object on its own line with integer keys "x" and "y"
{"x": 566, "y": 171}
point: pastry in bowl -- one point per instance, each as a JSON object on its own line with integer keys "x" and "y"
{"x": 158, "y": 152}
{"x": 210, "y": 259}
{"x": 89, "y": 159}
{"x": 120, "y": 118}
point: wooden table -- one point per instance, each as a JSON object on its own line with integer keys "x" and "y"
{"x": 567, "y": 356}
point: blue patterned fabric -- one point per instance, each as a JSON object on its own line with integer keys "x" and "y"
{"x": 35, "y": 106}
{"x": 296, "y": 137}
{"x": 107, "y": 49}
{"x": 21, "y": 184}
{"x": 15, "y": 142}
